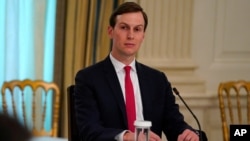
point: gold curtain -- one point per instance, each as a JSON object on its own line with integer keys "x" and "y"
{"x": 103, "y": 41}
{"x": 79, "y": 43}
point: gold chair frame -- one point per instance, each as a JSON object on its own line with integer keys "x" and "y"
{"x": 226, "y": 98}
{"x": 34, "y": 85}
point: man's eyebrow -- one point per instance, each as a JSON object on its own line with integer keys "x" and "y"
{"x": 128, "y": 24}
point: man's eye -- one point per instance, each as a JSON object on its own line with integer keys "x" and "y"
{"x": 138, "y": 29}
{"x": 124, "y": 27}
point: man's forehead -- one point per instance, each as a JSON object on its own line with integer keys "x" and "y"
{"x": 135, "y": 19}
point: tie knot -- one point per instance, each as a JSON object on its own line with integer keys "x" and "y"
{"x": 127, "y": 69}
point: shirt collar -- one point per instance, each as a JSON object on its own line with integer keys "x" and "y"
{"x": 119, "y": 65}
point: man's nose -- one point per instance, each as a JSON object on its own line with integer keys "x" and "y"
{"x": 131, "y": 34}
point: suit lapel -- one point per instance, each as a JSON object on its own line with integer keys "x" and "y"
{"x": 145, "y": 91}
{"x": 114, "y": 83}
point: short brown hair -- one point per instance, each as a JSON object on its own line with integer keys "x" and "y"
{"x": 128, "y": 7}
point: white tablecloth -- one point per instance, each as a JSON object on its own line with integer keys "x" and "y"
{"x": 48, "y": 139}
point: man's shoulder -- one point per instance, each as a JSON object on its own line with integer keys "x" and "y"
{"x": 96, "y": 67}
{"x": 92, "y": 67}
{"x": 147, "y": 68}
{"x": 150, "y": 73}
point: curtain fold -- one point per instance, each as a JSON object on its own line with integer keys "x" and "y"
{"x": 59, "y": 57}
{"x": 102, "y": 47}
{"x": 2, "y": 41}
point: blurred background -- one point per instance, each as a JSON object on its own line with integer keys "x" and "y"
{"x": 197, "y": 43}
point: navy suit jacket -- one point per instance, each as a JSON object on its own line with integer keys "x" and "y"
{"x": 100, "y": 107}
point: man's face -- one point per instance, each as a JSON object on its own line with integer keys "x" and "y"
{"x": 127, "y": 35}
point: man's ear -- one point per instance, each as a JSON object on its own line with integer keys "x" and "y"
{"x": 110, "y": 31}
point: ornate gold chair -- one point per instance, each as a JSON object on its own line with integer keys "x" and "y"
{"x": 38, "y": 92}
{"x": 234, "y": 102}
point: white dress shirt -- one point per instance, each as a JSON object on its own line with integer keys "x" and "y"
{"x": 119, "y": 68}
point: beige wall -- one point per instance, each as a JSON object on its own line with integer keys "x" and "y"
{"x": 198, "y": 44}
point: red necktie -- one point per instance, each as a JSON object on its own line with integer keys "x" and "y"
{"x": 130, "y": 99}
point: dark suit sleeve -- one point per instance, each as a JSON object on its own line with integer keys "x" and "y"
{"x": 174, "y": 123}
{"x": 88, "y": 110}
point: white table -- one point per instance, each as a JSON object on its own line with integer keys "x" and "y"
{"x": 48, "y": 139}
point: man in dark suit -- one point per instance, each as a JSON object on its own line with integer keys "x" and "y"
{"x": 100, "y": 93}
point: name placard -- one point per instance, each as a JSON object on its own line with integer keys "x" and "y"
{"x": 239, "y": 132}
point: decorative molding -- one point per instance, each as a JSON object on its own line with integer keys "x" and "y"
{"x": 232, "y": 32}
{"x": 167, "y": 44}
